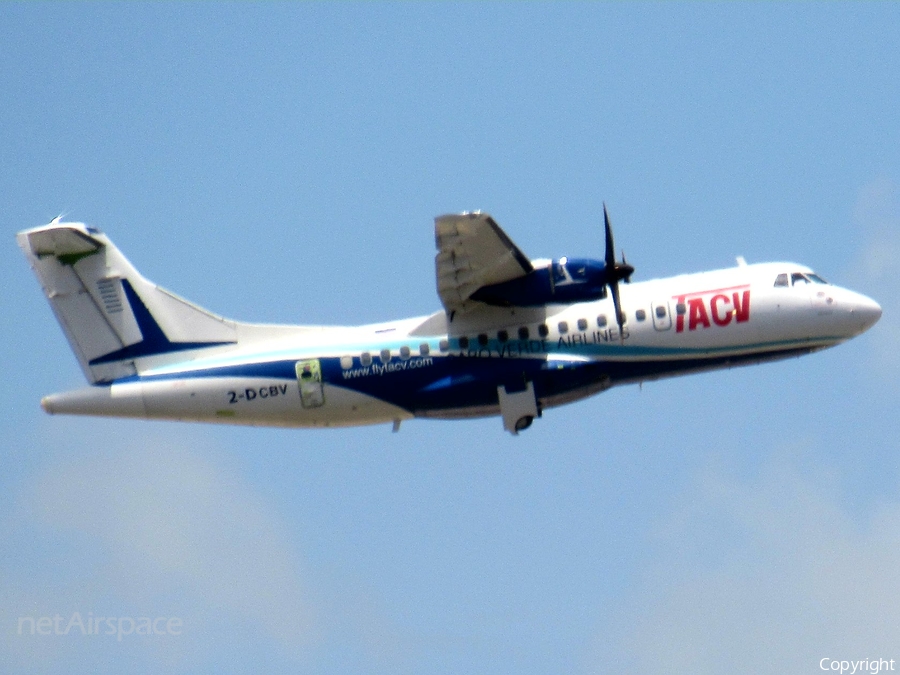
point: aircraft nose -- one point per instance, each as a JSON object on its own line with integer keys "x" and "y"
{"x": 865, "y": 311}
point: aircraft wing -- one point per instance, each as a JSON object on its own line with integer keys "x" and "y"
{"x": 473, "y": 252}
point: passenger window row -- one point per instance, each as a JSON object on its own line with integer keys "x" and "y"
{"x": 365, "y": 359}
{"x": 524, "y": 333}
{"x": 482, "y": 339}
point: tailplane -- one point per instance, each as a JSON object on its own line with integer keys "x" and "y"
{"x": 117, "y": 322}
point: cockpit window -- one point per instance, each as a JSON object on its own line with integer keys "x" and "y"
{"x": 804, "y": 278}
{"x": 781, "y": 280}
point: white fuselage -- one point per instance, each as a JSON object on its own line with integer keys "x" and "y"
{"x": 490, "y": 360}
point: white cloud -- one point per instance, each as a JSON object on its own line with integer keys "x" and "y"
{"x": 763, "y": 575}
{"x": 159, "y": 524}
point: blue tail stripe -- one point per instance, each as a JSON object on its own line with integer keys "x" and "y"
{"x": 154, "y": 340}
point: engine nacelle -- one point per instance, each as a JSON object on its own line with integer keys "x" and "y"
{"x": 559, "y": 281}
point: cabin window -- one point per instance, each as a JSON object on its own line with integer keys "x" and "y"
{"x": 582, "y": 324}
{"x": 543, "y": 330}
{"x": 523, "y": 333}
{"x": 601, "y": 321}
{"x": 563, "y": 327}
{"x": 463, "y": 342}
{"x": 660, "y": 312}
{"x": 424, "y": 349}
{"x": 346, "y": 362}
{"x": 385, "y": 355}
{"x": 681, "y": 308}
{"x": 404, "y": 352}
{"x": 640, "y": 315}
{"x": 503, "y": 336}
{"x": 365, "y": 359}
{"x": 444, "y": 345}
{"x": 781, "y": 280}
{"x": 482, "y": 340}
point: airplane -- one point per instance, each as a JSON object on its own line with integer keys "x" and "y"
{"x": 515, "y": 336}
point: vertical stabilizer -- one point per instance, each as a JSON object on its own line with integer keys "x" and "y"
{"x": 117, "y": 322}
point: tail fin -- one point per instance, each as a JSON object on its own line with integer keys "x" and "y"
{"x": 117, "y": 322}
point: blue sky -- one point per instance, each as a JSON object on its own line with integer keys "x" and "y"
{"x": 283, "y": 162}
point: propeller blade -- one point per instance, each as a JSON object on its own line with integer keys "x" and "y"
{"x": 610, "y": 257}
{"x": 615, "y": 271}
{"x": 617, "y": 304}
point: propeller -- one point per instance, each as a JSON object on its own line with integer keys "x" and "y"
{"x": 627, "y": 277}
{"x": 615, "y": 272}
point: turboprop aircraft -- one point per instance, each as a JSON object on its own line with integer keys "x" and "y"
{"x": 515, "y": 336}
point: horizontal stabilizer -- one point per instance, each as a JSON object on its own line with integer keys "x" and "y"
{"x": 68, "y": 244}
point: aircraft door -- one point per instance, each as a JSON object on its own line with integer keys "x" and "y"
{"x": 309, "y": 379}
{"x": 662, "y": 315}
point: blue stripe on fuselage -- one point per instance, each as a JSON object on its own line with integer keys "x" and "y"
{"x": 442, "y": 382}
